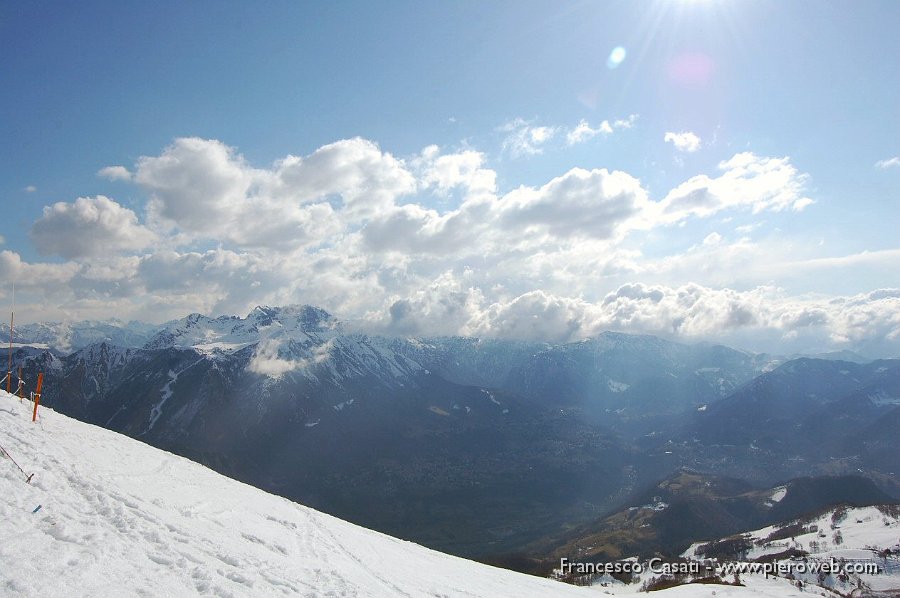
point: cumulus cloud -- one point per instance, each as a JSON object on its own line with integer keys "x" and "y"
{"x": 747, "y": 181}
{"x": 689, "y": 312}
{"x": 195, "y": 183}
{"x": 444, "y": 306}
{"x": 50, "y": 277}
{"x": 683, "y": 142}
{"x": 429, "y": 244}
{"x": 207, "y": 190}
{"x": 464, "y": 169}
{"x": 366, "y": 179}
{"x": 580, "y": 204}
{"x": 535, "y": 315}
{"x": 89, "y": 227}
{"x": 114, "y": 173}
{"x": 888, "y": 163}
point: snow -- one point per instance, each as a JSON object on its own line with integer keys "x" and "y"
{"x": 858, "y": 533}
{"x": 615, "y": 386}
{"x": 32, "y": 345}
{"x": 165, "y": 394}
{"x": 657, "y": 505}
{"x": 860, "y": 528}
{"x": 881, "y": 398}
{"x": 491, "y": 396}
{"x": 755, "y": 585}
{"x": 120, "y": 518}
{"x": 216, "y": 347}
{"x": 779, "y": 494}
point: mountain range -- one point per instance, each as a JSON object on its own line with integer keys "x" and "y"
{"x": 473, "y": 446}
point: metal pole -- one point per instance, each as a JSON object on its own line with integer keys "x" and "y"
{"x": 9, "y": 363}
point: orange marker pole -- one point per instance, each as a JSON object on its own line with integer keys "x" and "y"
{"x": 37, "y": 396}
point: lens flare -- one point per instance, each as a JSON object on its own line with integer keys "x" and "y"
{"x": 615, "y": 57}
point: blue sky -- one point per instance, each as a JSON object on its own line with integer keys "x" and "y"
{"x": 372, "y": 229}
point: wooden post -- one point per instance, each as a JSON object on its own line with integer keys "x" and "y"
{"x": 21, "y": 384}
{"x": 37, "y": 396}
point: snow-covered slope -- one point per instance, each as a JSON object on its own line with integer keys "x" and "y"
{"x": 864, "y": 534}
{"x": 118, "y": 517}
{"x": 757, "y": 586}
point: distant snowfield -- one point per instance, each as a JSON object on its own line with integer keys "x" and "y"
{"x": 755, "y": 586}
{"x": 120, "y": 518}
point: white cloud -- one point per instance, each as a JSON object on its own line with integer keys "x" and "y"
{"x": 114, "y": 173}
{"x": 269, "y": 360}
{"x": 696, "y": 312}
{"x": 683, "y": 142}
{"x": 583, "y": 130}
{"x": 195, "y": 184}
{"x": 44, "y": 280}
{"x": 888, "y": 163}
{"x": 764, "y": 317}
{"x": 748, "y": 228}
{"x": 444, "y": 306}
{"x": 464, "y": 169}
{"x": 205, "y": 189}
{"x": 89, "y": 227}
{"x": 524, "y": 139}
{"x": 712, "y": 239}
{"x": 578, "y": 205}
{"x": 558, "y": 260}
{"x": 535, "y": 315}
{"x": 30, "y": 189}
{"x": 747, "y": 181}
{"x": 366, "y": 179}
{"x": 625, "y": 123}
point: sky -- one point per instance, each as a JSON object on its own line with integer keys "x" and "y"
{"x": 702, "y": 170}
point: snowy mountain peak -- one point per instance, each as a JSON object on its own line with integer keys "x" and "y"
{"x": 226, "y": 334}
{"x": 304, "y": 317}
